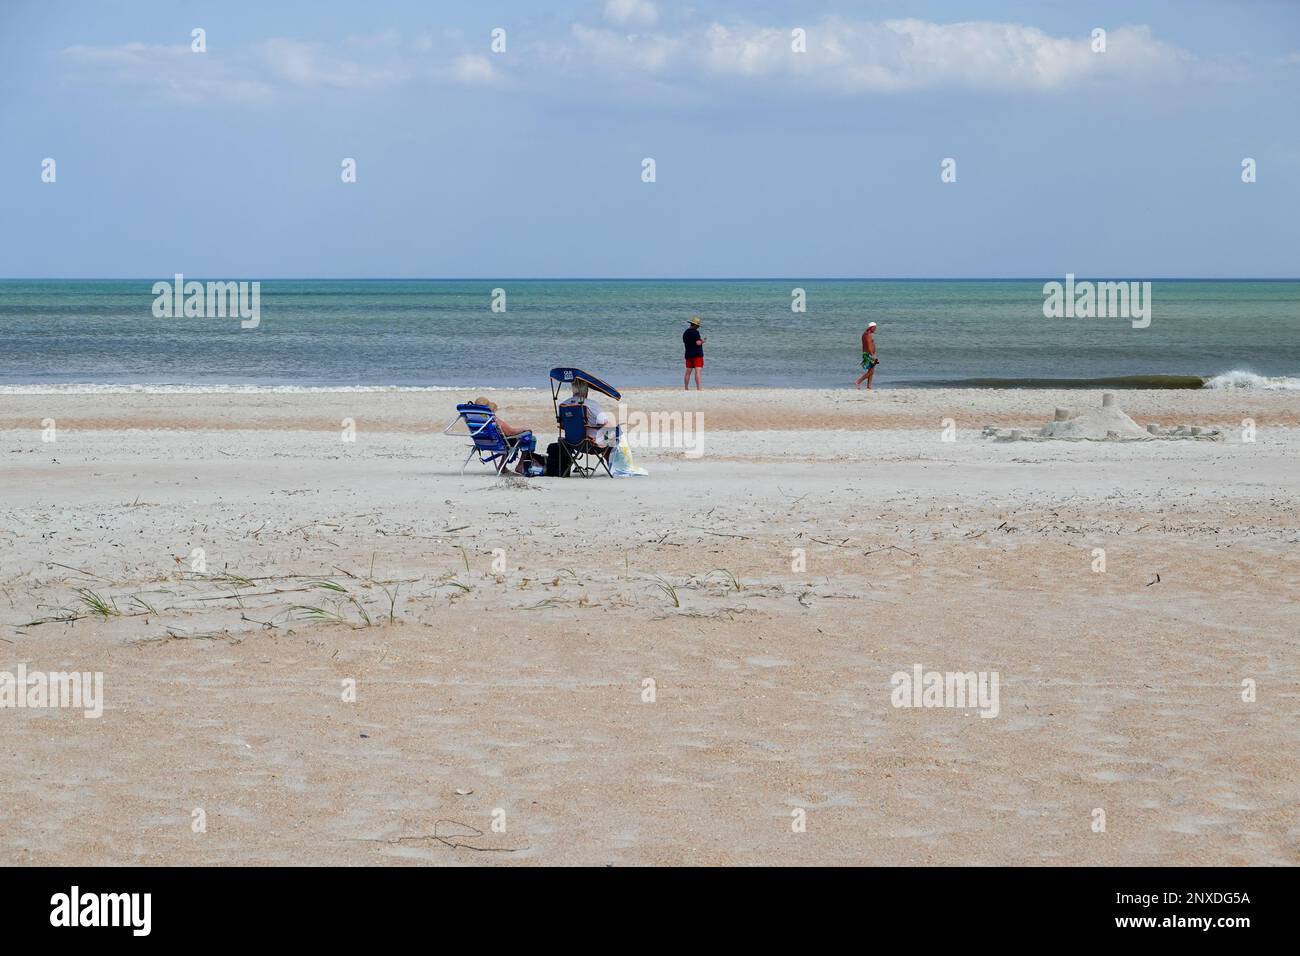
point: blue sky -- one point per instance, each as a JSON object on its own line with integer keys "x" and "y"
{"x": 472, "y": 163}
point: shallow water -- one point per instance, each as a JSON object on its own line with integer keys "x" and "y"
{"x": 444, "y": 333}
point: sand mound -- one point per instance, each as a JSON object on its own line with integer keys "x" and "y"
{"x": 1108, "y": 423}
{"x": 1096, "y": 424}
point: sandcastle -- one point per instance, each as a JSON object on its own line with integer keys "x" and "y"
{"x": 1108, "y": 423}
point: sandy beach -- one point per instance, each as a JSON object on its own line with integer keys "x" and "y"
{"x": 689, "y": 668}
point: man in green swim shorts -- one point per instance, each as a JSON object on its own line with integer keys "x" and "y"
{"x": 869, "y": 360}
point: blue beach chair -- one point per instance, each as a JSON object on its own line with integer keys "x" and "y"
{"x": 493, "y": 448}
{"x": 576, "y": 445}
{"x": 572, "y": 420}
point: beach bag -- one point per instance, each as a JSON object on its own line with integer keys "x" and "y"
{"x": 621, "y": 464}
{"x": 558, "y": 464}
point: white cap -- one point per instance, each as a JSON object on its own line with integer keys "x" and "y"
{"x": 871, "y": 325}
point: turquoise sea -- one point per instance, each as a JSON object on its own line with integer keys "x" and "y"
{"x": 443, "y": 333}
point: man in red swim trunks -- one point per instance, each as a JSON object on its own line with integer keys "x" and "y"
{"x": 694, "y": 343}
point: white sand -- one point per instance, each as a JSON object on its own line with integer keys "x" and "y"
{"x": 518, "y": 686}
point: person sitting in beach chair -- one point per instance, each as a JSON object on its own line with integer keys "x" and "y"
{"x": 496, "y": 443}
{"x": 585, "y": 431}
{"x": 521, "y": 438}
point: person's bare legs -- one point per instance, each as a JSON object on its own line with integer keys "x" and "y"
{"x": 861, "y": 378}
{"x": 698, "y": 386}
{"x": 686, "y": 382}
{"x": 871, "y": 373}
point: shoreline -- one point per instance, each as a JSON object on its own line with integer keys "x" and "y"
{"x": 1235, "y": 380}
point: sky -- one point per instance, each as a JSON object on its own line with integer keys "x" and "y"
{"x": 529, "y": 161}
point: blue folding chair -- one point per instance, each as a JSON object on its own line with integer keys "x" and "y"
{"x": 493, "y": 448}
{"x": 575, "y": 443}
{"x": 572, "y": 419}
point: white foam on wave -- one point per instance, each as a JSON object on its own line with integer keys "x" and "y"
{"x": 1239, "y": 378}
{"x": 87, "y": 388}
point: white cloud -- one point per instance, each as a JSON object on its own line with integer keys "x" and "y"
{"x": 274, "y": 68}
{"x": 850, "y": 57}
{"x": 748, "y": 51}
{"x": 314, "y": 65}
{"x": 174, "y": 73}
{"x": 475, "y": 70}
{"x": 886, "y": 56}
{"x": 650, "y": 53}
{"x": 638, "y": 12}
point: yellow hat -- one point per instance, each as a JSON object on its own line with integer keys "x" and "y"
{"x": 695, "y": 320}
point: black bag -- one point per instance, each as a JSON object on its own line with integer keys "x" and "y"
{"x": 558, "y": 463}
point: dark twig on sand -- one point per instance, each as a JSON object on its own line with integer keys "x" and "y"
{"x": 91, "y": 574}
{"x": 454, "y": 841}
{"x": 894, "y": 547}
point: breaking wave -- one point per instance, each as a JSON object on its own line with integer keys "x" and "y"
{"x": 1242, "y": 379}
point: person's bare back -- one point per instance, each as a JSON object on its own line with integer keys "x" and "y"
{"x": 869, "y": 360}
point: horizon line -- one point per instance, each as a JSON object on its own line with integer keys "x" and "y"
{"x": 1049, "y": 278}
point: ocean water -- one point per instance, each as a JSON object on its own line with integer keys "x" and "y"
{"x": 57, "y": 334}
